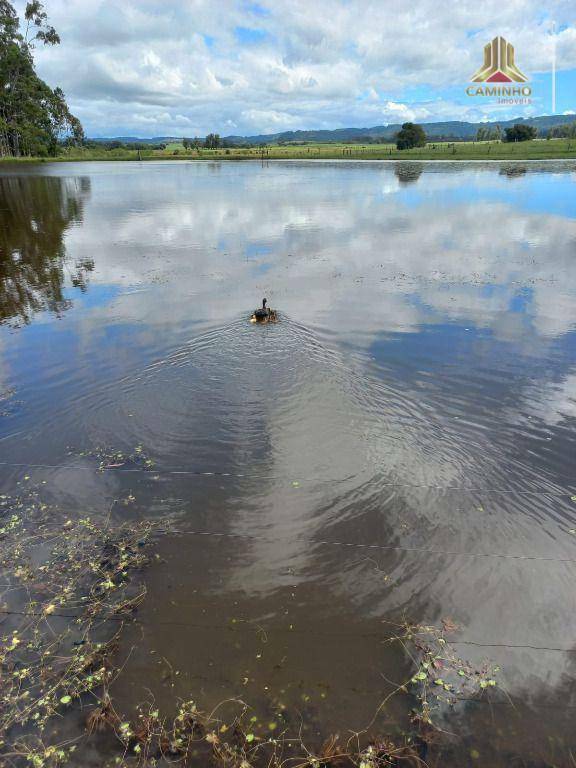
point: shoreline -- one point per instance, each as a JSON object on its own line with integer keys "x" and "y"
{"x": 5, "y": 161}
{"x": 527, "y": 151}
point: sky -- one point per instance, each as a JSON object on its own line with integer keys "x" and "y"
{"x": 167, "y": 68}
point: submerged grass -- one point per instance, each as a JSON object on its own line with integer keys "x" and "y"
{"x": 67, "y": 590}
{"x": 70, "y": 587}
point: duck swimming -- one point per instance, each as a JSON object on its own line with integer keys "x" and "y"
{"x": 263, "y": 314}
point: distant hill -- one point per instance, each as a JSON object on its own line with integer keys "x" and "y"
{"x": 452, "y": 130}
{"x": 447, "y": 131}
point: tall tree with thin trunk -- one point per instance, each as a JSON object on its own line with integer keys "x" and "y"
{"x": 33, "y": 116}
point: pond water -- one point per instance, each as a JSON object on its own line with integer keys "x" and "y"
{"x": 399, "y": 446}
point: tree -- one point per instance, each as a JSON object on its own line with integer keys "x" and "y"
{"x": 410, "y": 136}
{"x": 489, "y": 133}
{"x": 212, "y": 141}
{"x": 564, "y": 131}
{"x": 186, "y": 143}
{"x": 520, "y": 132}
{"x": 33, "y": 117}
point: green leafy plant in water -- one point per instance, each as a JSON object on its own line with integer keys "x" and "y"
{"x": 442, "y": 676}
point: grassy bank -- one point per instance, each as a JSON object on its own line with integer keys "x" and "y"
{"x": 538, "y": 149}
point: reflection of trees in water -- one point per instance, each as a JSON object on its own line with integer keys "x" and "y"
{"x": 408, "y": 173}
{"x": 35, "y": 212}
{"x": 512, "y": 171}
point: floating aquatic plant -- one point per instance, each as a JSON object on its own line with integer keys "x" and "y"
{"x": 70, "y": 588}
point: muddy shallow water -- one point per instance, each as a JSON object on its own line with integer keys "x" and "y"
{"x": 400, "y": 445}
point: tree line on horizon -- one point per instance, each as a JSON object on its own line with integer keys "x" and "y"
{"x": 211, "y": 141}
{"x": 490, "y": 132}
{"x": 412, "y": 135}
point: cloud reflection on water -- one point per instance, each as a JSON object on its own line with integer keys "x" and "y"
{"x": 427, "y": 340}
